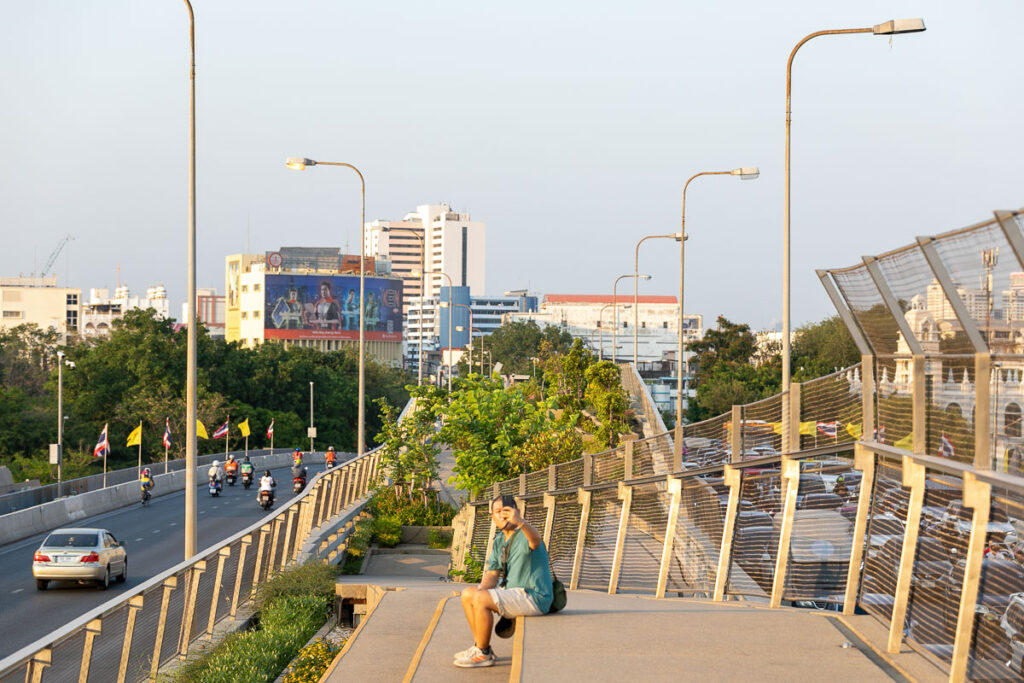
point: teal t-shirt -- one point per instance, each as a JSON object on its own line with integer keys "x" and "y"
{"x": 527, "y": 569}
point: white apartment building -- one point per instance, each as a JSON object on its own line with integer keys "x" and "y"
{"x": 101, "y": 310}
{"x": 423, "y": 318}
{"x": 454, "y": 244}
{"x": 39, "y": 300}
{"x": 593, "y": 317}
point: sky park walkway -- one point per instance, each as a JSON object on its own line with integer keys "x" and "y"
{"x": 863, "y": 526}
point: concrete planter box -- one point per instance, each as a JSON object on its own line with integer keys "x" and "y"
{"x": 419, "y": 535}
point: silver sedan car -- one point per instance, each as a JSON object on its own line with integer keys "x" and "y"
{"x": 80, "y": 555}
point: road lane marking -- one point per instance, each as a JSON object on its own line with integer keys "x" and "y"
{"x": 156, "y": 531}
{"x": 174, "y": 524}
{"x": 138, "y": 539}
{"x": 17, "y": 590}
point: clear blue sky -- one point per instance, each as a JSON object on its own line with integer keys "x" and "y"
{"x": 569, "y": 127}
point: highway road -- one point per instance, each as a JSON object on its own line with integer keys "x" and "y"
{"x": 155, "y": 539}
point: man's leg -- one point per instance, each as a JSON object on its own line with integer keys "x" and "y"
{"x": 483, "y": 612}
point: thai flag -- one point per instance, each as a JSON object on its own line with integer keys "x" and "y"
{"x": 829, "y": 429}
{"x": 167, "y": 432}
{"x": 270, "y": 429}
{"x": 879, "y": 433}
{"x": 222, "y": 431}
{"x": 946, "y": 449}
{"x": 102, "y": 446}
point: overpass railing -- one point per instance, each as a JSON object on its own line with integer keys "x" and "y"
{"x": 132, "y": 636}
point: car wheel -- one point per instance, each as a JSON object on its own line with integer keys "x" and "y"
{"x": 124, "y": 572}
{"x": 42, "y": 584}
{"x": 104, "y": 583}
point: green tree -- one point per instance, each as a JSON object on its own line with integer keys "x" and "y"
{"x": 608, "y": 401}
{"x": 566, "y": 376}
{"x": 822, "y": 348}
{"x": 408, "y": 452}
{"x": 515, "y": 344}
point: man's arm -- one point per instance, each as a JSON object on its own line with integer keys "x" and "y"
{"x": 531, "y": 534}
{"x": 489, "y": 580}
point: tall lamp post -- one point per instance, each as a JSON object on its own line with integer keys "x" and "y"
{"x": 746, "y": 173}
{"x": 889, "y": 28}
{"x": 600, "y": 325}
{"x": 423, "y": 266}
{"x": 61, "y": 362}
{"x": 311, "y": 427}
{"x": 300, "y": 164}
{"x": 191, "y": 372}
{"x": 471, "y": 328}
{"x": 447, "y": 305}
{"x": 636, "y": 289}
{"x": 615, "y": 309}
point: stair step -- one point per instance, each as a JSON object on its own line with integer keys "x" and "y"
{"x": 452, "y": 635}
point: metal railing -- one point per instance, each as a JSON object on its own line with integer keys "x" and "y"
{"x": 713, "y": 509}
{"x": 132, "y": 636}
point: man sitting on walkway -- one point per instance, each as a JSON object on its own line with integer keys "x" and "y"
{"x": 516, "y": 581}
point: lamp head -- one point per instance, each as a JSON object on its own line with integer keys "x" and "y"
{"x": 894, "y": 26}
{"x": 299, "y": 163}
{"x": 71, "y": 364}
{"x": 645, "y": 277}
{"x": 747, "y": 172}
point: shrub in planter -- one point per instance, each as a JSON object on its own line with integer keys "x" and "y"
{"x": 439, "y": 538}
{"x": 387, "y": 531}
{"x": 311, "y": 662}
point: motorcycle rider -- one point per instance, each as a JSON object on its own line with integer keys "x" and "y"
{"x": 267, "y": 483}
{"x": 330, "y": 457}
{"x": 146, "y": 480}
{"x": 245, "y": 467}
{"x": 231, "y": 466}
{"x": 216, "y": 473}
{"x": 297, "y": 456}
{"x": 299, "y": 472}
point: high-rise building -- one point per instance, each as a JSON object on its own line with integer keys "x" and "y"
{"x": 453, "y": 244}
{"x": 101, "y": 310}
{"x": 39, "y": 300}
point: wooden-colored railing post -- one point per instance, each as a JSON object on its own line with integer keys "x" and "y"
{"x": 626, "y": 496}
{"x": 674, "y": 489}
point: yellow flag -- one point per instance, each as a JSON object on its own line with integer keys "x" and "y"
{"x": 135, "y": 438}
{"x": 777, "y": 427}
{"x": 854, "y": 430}
{"x": 808, "y": 428}
{"x": 201, "y": 430}
{"x": 906, "y": 443}
{"x": 244, "y": 427}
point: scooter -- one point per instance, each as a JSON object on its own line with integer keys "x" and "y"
{"x": 215, "y": 487}
{"x": 145, "y": 496}
{"x": 246, "y": 480}
{"x": 298, "y": 483}
{"x": 231, "y": 478}
{"x": 266, "y": 499}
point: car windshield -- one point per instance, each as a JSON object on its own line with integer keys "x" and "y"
{"x": 71, "y": 540}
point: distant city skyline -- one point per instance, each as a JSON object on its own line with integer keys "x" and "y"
{"x": 568, "y": 128}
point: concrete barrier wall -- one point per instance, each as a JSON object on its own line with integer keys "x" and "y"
{"x": 67, "y": 511}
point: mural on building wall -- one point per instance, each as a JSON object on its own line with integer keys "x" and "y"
{"x": 327, "y": 307}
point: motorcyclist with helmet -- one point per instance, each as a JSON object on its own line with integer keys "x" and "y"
{"x": 331, "y": 457}
{"x": 231, "y": 467}
{"x": 216, "y": 473}
{"x": 146, "y": 483}
{"x": 246, "y": 468}
{"x": 297, "y": 456}
{"x": 299, "y": 473}
{"x": 267, "y": 483}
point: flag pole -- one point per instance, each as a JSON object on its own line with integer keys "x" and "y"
{"x": 166, "y": 450}
{"x": 247, "y": 445}
{"x": 227, "y": 437}
{"x": 105, "y": 466}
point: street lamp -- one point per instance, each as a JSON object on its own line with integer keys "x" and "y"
{"x": 191, "y": 372}
{"x": 600, "y": 325}
{"x": 300, "y": 164}
{"x": 448, "y": 305}
{"x": 636, "y": 281}
{"x": 892, "y": 27}
{"x": 744, "y": 173}
{"x": 460, "y": 329}
{"x": 423, "y": 265}
{"x": 311, "y": 427}
{"x": 61, "y": 362}
{"x": 615, "y": 299}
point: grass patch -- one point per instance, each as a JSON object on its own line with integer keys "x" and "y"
{"x": 292, "y": 607}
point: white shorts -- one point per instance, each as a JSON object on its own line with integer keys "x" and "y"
{"x": 514, "y": 602}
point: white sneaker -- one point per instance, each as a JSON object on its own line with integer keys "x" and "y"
{"x": 475, "y": 658}
{"x": 462, "y": 655}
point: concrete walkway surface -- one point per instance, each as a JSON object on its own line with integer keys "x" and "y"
{"x": 418, "y": 625}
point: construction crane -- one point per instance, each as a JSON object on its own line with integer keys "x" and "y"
{"x": 56, "y": 252}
